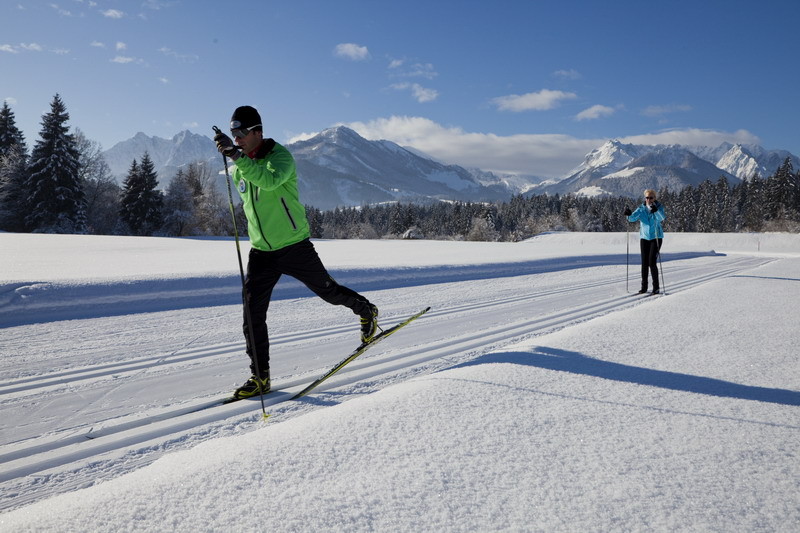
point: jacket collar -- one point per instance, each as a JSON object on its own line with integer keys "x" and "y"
{"x": 263, "y": 149}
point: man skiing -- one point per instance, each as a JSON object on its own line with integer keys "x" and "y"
{"x": 266, "y": 178}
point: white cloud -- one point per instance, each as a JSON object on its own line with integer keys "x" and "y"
{"x": 541, "y": 101}
{"x": 186, "y": 58}
{"x": 8, "y": 48}
{"x": 10, "y": 100}
{"x": 113, "y": 13}
{"x": 62, "y": 12}
{"x": 123, "y": 60}
{"x": 121, "y": 46}
{"x": 661, "y": 110}
{"x": 570, "y": 74}
{"x": 97, "y": 44}
{"x": 163, "y": 80}
{"x": 421, "y": 94}
{"x": 422, "y": 70}
{"x": 351, "y": 51}
{"x": 549, "y": 155}
{"x": 31, "y": 47}
{"x": 595, "y": 112}
{"x": 155, "y": 5}
{"x": 694, "y": 137}
{"x": 401, "y": 68}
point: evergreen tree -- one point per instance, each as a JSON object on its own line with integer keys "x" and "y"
{"x": 784, "y": 188}
{"x": 708, "y": 211}
{"x": 752, "y": 205}
{"x": 315, "y": 219}
{"x": 726, "y": 206}
{"x": 13, "y": 170}
{"x": 55, "y": 201}
{"x": 10, "y": 135}
{"x": 141, "y": 203}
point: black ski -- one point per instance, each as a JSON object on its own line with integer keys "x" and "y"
{"x": 360, "y": 350}
{"x": 363, "y": 347}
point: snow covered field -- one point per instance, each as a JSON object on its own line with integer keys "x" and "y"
{"x": 538, "y": 394}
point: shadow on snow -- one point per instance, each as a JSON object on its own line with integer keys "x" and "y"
{"x": 577, "y": 363}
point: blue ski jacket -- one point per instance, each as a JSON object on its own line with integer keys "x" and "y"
{"x": 649, "y": 223}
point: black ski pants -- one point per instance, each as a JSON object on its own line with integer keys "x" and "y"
{"x": 650, "y": 250}
{"x": 264, "y": 269}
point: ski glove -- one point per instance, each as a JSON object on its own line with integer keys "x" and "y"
{"x": 653, "y": 208}
{"x": 226, "y": 147}
{"x": 627, "y": 212}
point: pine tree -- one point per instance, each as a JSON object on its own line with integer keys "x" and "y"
{"x": 752, "y": 205}
{"x": 55, "y": 201}
{"x": 141, "y": 205}
{"x": 725, "y": 204}
{"x": 13, "y": 170}
{"x": 10, "y": 135}
{"x": 708, "y": 211}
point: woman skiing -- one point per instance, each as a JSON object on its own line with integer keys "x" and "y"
{"x": 650, "y": 215}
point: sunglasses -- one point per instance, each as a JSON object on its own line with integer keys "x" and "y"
{"x": 650, "y": 197}
{"x": 241, "y": 133}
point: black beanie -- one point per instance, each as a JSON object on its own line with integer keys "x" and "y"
{"x": 245, "y": 117}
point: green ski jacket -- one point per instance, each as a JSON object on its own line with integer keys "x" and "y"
{"x": 267, "y": 184}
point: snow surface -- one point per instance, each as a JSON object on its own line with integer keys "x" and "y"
{"x": 538, "y": 394}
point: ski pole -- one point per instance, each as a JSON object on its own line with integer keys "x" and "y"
{"x": 661, "y": 264}
{"x": 627, "y": 255}
{"x": 245, "y": 299}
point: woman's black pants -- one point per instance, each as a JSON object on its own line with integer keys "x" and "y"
{"x": 650, "y": 249}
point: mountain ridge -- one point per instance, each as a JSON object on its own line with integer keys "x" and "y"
{"x": 339, "y": 168}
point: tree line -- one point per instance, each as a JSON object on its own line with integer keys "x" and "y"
{"x": 65, "y": 186}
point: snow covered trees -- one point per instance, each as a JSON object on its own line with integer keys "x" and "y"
{"x": 54, "y": 195}
{"x": 141, "y": 202}
{"x": 101, "y": 192}
{"x": 13, "y": 165}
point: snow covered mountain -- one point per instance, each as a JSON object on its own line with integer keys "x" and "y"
{"x": 616, "y": 168}
{"x": 168, "y": 155}
{"x": 747, "y": 160}
{"x": 337, "y": 168}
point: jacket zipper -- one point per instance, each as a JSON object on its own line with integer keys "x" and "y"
{"x": 288, "y": 214}
{"x": 253, "y": 200}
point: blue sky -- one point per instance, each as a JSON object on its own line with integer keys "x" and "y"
{"x": 514, "y": 86}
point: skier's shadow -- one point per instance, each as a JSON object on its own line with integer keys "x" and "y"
{"x": 577, "y": 363}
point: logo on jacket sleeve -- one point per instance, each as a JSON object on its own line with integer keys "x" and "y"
{"x": 242, "y": 186}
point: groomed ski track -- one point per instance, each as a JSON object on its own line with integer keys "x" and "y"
{"x": 81, "y": 416}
